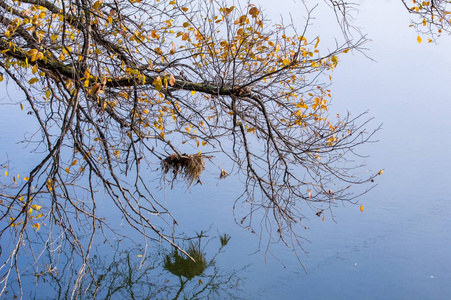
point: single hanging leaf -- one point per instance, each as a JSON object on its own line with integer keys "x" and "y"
{"x": 33, "y": 80}
{"x": 419, "y": 39}
{"x": 47, "y": 94}
{"x": 361, "y": 208}
{"x": 158, "y": 83}
{"x": 317, "y": 42}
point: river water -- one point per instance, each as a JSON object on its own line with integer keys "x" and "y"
{"x": 397, "y": 248}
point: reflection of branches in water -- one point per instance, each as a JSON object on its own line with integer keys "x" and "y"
{"x": 130, "y": 275}
{"x": 213, "y": 285}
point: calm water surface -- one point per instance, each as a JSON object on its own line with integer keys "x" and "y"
{"x": 398, "y": 248}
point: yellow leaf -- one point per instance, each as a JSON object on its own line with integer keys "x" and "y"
{"x": 33, "y": 80}
{"x": 317, "y": 42}
{"x": 380, "y": 172}
{"x": 323, "y": 217}
{"x": 26, "y": 178}
{"x": 6, "y": 173}
{"x": 185, "y": 9}
{"x": 97, "y": 4}
{"x": 334, "y": 59}
{"x": 173, "y": 48}
{"x": 30, "y": 211}
{"x": 204, "y": 143}
{"x": 286, "y": 61}
{"x": 67, "y": 170}
{"x": 193, "y": 92}
{"x": 21, "y": 106}
{"x": 34, "y": 69}
{"x": 154, "y": 34}
{"x": 200, "y": 281}
{"x": 419, "y": 39}
{"x": 200, "y": 152}
{"x": 277, "y": 48}
{"x": 158, "y": 83}
{"x": 242, "y": 20}
{"x": 1, "y": 78}
{"x": 139, "y": 255}
{"x": 37, "y": 226}
{"x": 361, "y": 207}
{"x": 32, "y": 53}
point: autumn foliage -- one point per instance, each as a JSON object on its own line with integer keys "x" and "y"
{"x": 119, "y": 87}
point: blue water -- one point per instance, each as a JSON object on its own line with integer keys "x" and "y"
{"x": 398, "y": 247}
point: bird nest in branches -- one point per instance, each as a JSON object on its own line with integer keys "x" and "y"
{"x": 189, "y": 166}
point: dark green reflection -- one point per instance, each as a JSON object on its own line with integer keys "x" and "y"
{"x": 183, "y": 266}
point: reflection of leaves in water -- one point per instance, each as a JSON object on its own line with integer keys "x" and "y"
{"x": 224, "y": 239}
{"x": 184, "y": 266}
{"x": 130, "y": 275}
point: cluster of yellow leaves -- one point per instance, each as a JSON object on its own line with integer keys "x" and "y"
{"x": 247, "y": 44}
{"x": 33, "y": 213}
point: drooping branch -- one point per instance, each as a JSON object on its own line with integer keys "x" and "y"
{"x": 122, "y": 87}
